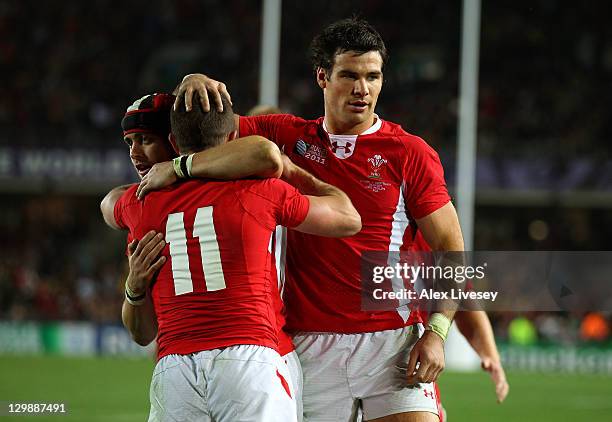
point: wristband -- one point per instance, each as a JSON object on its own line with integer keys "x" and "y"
{"x": 132, "y": 298}
{"x": 188, "y": 163}
{"x": 439, "y": 324}
{"x": 182, "y": 166}
{"x": 176, "y": 164}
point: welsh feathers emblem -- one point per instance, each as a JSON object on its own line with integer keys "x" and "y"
{"x": 376, "y": 162}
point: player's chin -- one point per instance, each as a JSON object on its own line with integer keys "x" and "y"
{"x": 358, "y": 117}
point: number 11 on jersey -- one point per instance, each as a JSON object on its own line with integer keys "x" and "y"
{"x": 204, "y": 230}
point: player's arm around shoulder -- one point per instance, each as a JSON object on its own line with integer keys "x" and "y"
{"x": 331, "y": 212}
{"x": 251, "y": 156}
{"x": 107, "y": 206}
{"x": 243, "y": 157}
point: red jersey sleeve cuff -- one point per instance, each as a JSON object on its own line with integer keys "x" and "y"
{"x": 427, "y": 209}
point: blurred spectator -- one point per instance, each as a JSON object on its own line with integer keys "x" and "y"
{"x": 556, "y": 328}
{"x": 522, "y": 331}
{"x": 594, "y": 327}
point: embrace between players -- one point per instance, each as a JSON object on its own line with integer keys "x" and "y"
{"x": 208, "y": 261}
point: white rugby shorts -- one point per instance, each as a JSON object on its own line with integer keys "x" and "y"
{"x": 238, "y": 383}
{"x": 297, "y": 380}
{"x": 346, "y": 375}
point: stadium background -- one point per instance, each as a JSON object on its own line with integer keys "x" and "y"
{"x": 544, "y": 172}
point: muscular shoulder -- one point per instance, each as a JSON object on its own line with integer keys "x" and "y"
{"x": 410, "y": 143}
{"x": 128, "y": 196}
{"x": 278, "y": 127}
{"x": 274, "y": 119}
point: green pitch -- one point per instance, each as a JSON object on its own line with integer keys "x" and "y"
{"x": 107, "y": 389}
{"x": 94, "y": 389}
{"x": 533, "y": 397}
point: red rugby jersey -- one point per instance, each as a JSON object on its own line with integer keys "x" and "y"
{"x": 392, "y": 178}
{"x": 218, "y": 287}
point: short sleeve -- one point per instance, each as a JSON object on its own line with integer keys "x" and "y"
{"x": 122, "y": 214}
{"x": 426, "y": 189}
{"x": 294, "y": 206}
{"x": 269, "y": 126}
{"x": 119, "y": 211}
{"x": 273, "y": 202}
{"x": 128, "y": 209}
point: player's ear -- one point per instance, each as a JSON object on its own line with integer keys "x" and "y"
{"x": 173, "y": 143}
{"x": 232, "y": 135}
{"x": 321, "y": 77}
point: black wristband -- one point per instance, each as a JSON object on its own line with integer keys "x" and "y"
{"x": 184, "y": 166}
{"x": 135, "y": 298}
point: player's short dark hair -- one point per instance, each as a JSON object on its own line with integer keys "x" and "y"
{"x": 351, "y": 34}
{"x": 198, "y": 130}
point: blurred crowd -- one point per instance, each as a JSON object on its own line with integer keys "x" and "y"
{"x": 59, "y": 261}
{"x": 69, "y": 70}
{"x": 553, "y": 328}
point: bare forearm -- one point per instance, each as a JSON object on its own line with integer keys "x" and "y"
{"x": 246, "y": 157}
{"x": 307, "y": 184}
{"x": 140, "y": 321}
{"x": 442, "y": 232}
{"x": 476, "y": 328}
{"x": 441, "y": 229}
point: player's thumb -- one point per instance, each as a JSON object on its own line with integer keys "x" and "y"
{"x": 132, "y": 246}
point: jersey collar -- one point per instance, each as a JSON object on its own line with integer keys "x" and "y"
{"x": 372, "y": 129}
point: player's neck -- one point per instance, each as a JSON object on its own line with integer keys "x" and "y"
{"x": 334, "y": 127}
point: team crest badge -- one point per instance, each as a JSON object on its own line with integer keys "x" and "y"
{"x": 376, "y": 163}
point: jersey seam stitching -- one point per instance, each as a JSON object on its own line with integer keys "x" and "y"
{"x": 250, "y": 213}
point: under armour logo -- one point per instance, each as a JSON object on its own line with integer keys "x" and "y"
{"x": 346, "y": 148}
{"x": 428, "y": 394}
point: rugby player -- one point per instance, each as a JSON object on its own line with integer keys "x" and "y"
{"x": 184, "y": 325}
{"x": 475, "y": 326}
{"x": 146, "y": 130}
